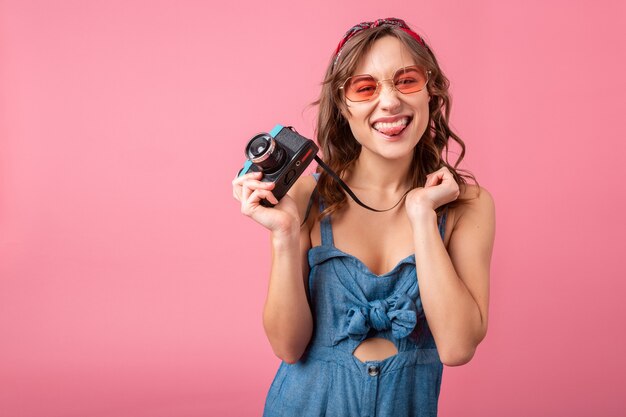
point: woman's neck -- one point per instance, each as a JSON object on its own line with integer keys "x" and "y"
{"x": 375, "y": 173}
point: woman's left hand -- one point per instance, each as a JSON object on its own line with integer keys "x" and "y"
{"x": 440, "y": 188}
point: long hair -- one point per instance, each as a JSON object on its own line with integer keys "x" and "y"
{"x": 340, "y": 149}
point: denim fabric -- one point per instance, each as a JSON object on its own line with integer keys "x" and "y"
{"x": 350, "y": 304}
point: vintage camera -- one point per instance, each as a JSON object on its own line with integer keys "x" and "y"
{"x": 282, "y": 155}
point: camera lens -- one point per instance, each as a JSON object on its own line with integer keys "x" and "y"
{"x": 259, "y": 146}
{"x": 265, "y": 152}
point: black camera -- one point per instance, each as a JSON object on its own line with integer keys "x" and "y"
{"x": 282, "y": 155}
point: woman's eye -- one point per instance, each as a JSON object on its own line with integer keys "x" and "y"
{"x": 365, "y": 88}
{"x": 406, "y": 81}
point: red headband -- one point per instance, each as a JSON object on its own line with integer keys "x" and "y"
{"x": 391, "y": 21}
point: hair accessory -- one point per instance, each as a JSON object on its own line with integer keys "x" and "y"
{"x": 390, "y": 21}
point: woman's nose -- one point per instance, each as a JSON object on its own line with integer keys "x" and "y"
{"x": 388, "y": 96}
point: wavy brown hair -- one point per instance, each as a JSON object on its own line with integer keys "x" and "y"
{"x": 339, "y": 147}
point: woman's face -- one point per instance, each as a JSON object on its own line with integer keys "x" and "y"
{"x": 391, "y": 123}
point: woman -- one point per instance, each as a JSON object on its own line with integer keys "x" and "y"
{"x": 366, "y": 310}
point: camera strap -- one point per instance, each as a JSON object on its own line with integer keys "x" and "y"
{"x": 349, "y": 191}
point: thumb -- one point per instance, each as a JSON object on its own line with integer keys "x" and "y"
{"x": 431, "y": 179}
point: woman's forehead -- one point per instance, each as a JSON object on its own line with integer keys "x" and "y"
{"x": 384, "y": 58}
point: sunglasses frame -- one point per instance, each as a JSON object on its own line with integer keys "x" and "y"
{"x": 380, "y": 82}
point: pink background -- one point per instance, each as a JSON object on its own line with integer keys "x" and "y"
{"x": 130, "y": 284}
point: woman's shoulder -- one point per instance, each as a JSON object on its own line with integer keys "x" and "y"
{"x": 475, "y": 206}
{"x": 303, "y": 186}
{"x": 302, "y": 191}
{"x": 474, "y": 195}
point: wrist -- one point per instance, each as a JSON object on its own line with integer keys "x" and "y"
{"x": 422, "y": 215}
{"x": 285, "y": 239}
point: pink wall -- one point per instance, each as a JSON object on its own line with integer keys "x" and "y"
{"x": 131, "y": 286}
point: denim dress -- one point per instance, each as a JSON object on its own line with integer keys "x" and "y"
{"x": 349, "y": 304}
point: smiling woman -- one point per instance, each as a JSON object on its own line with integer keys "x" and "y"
{"x": 366, "y": 310}
{"x": 382, "y": 121}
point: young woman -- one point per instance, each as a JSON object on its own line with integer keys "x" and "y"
{"x": 364, "y": 307}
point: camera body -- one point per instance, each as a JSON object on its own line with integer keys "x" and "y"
{"x": 282, "y": 155}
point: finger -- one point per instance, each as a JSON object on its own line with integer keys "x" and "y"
{"x": 447, "y": 176}
{"x": 251, "y": 175}
{"x": 237, "y": 192}
{"x": 245, "y": 194}
{"x": 263, "y": 194}
{"x": 254, "y": 184}
{"x": 259, "y": 194}
{"x": 446, "y": 171}
{"x": 432, "y": 179}
{"x": 238, "y": 182}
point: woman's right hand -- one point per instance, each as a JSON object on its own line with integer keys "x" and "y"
{"x": 249, "y": 190}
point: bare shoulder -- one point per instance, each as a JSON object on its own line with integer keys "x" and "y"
{"x": 474, "y": 200}
{"x": 474, "y": 219}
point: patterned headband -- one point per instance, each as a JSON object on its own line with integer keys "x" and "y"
{"x": 391, "y": 21}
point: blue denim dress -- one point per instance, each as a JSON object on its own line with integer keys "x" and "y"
{"x": 350, "y": 304}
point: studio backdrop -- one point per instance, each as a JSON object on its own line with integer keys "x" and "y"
{"x": 132, "y": 286}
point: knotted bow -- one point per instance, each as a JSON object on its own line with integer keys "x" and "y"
{"x": 400, "y": 315}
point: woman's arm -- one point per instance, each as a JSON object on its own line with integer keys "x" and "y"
{"x": 287, "y": 315}
{"x": 454, "y": 284}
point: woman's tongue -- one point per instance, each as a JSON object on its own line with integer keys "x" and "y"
{"x": 391, "y": 131}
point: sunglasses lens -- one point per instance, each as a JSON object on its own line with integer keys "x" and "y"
{"x": 360, "y": 88}
{"x": 364, "y": 87}
{"x": 409, "y": 80}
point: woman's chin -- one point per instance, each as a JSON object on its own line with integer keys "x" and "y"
{"x": 392, "y": 153}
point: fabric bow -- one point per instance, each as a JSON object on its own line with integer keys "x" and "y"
{"x": 399, "y": 315}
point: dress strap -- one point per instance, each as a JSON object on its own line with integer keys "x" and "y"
{"x": 311, "y": 199}
{"x": 442, "y": 223}
{"x": 326, "y": 228}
